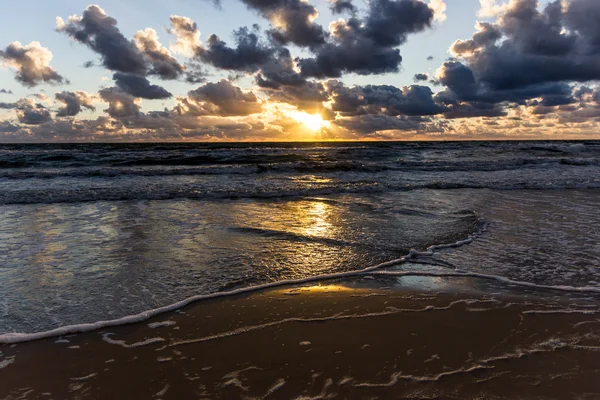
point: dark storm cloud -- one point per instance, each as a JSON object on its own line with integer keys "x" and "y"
{"x": 221, "y": 98}
{"x": 31, "y": 63}
{"x": 120, "y": 104}
{"x": 462, "y": 85}
{"x": 248, "y": 55}
{"x": 388, "y": 100}
{"x": 292, "y": 21}
{"x": 279, "y": 71}
{"x": 365, "y": 125}
{"x": 528, "y": 47}
{"x": 4, "y": 91}
{"x": 368, "y": 46}
{"x": 421, "y": 77}
{"x": 32, "y": 113}
{"x": 99, "y": 31}
{"x": 340, "y": 6}
{"x": 474, "y": 109}
{"x": 138, "y": 86}
{"x": 73, "y": 102}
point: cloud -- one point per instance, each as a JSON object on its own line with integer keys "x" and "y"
{"x": 31, "y": 63}
{"x": 187, "y": 33}
{"x": 138, "y": 86}
{"x": 4, "y": 91}
{"x": 530, "y": 56}
{"x": 292, "y": 21}
{"x": 490, "y": 8}
{"x": 528, "y": 46}
{"x": 73, "y": 102}
{"x": 388, "y": 100}
{"x": 366, "y": 125}
{"x": 308, "y": 96}
{"x": 221, "y": 98}
{"x": 340, "y": 6}
{"x": 421, "y": 77}
{"x": 248, "y": 55}
{"x": 280, "y": 70}
{"x": 31, "y": 113}
{"x": 120, "y": 104}
{"x": 368, "y": 46}
{"x": 163, "y": 63}
{"x": 439, "y": 9}
{"x": 99, "y": 32}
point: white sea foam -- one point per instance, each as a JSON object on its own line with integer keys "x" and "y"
{"x": 107, "y": 339}
{"x": 465, "y": 274}
{"x": 5, "y": 363}
{"x": 161, "y": 324}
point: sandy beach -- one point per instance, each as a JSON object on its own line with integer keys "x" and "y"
{"x": 350, "y": 339}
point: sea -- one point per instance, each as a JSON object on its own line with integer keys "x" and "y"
{"x": 98, "y": 234}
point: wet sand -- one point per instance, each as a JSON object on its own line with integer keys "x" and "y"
{"x": 349, "y": 339}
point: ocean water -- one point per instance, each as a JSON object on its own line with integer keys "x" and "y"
{"x": 99, "y": 232}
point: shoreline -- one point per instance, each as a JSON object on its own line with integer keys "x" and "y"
{"x": 351, "y": 338}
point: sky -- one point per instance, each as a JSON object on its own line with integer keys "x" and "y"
{"x": 287, "y": 70}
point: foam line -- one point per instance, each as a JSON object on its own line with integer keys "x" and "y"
{"x": 10, "y": 338}
{"x": 508, "y": 281}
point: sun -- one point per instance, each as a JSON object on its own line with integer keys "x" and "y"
{"x": 314, "y": 122}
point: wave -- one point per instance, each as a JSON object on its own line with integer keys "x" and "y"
{"x": 376, "y": 270}
{"x": 148, "y": 192}
{"x": 260, "y": 165}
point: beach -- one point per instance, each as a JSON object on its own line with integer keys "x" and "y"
{"x": 329, "y": 270}
{"x": 355, "y": 338}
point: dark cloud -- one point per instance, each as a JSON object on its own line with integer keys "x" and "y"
{"x": 430, "y": 58}
{"x": 308, "y": 97}
{"x": 421, "y": 77}
{"x": 138, "y": 86}
{"x": 99, "y": 31}
{"x": 279, "y": 71}
{"x": 248, "y": 55}
{"x": 292, "y": 21}
{"x": 532, "y": 46}
{"x": 462, "y": 85}
{"x": 7, "y": 127}
{"x": 120, "y": 104}
{"x": 474, "y": 109}
{"x": 7, "y": 106}
{"x": 221, "y": 98}
{"x": 163, "y": 63}
{"x": 388, "y": 100}
{"x": 88, "y": 64}
{"x": 340, "y": 6}
{"x": 4, "y": 91}
{"x": 365, "y": 125}
{"x": 31, "y": 113}
{"x": 195, "y": 72}
{"x": 31, "y": 63}
{"x": 368, "y": 46}
{"x": 73, "y": 102}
